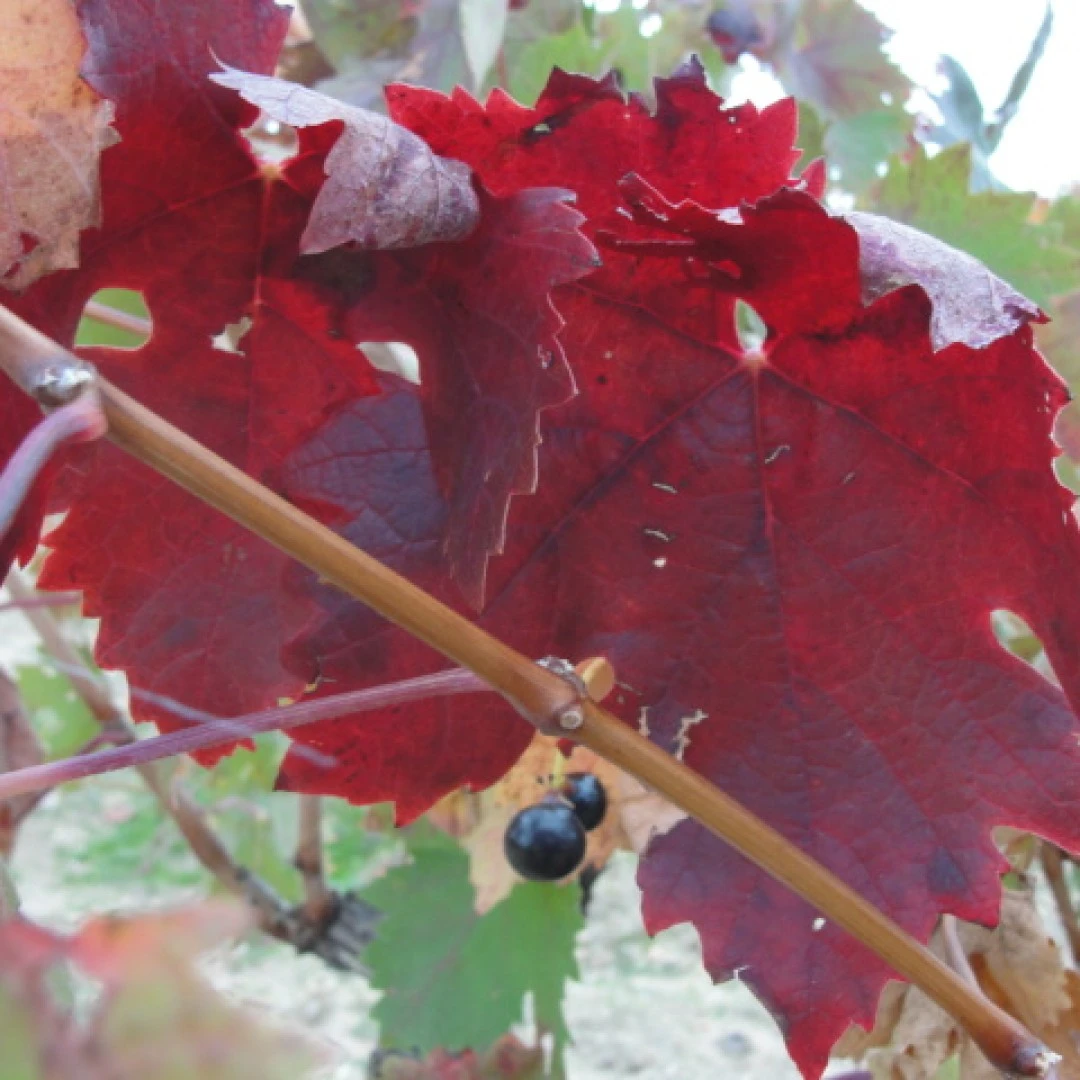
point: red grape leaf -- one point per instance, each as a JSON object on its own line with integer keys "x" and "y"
{"x": 384, "y": 188}
{"x": 790, "y": 554}
{"x": 212, "y": 239}
{"x": 970, "y": 304}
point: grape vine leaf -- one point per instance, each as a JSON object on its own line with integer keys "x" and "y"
{"x": 441, "y": 43}
{"x": 214, "y": 241}
{"x": 828, "y": 54}
{"x": 481, "y": 410}
{"x": 384, "y": 187}
{"x": 456, "y": 980}
{"x": 790, "y": 552}
{"x": 52, "y": 131}
{"x": 998, "y": 228}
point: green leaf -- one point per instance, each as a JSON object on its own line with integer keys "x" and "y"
{"x": 18, "y": 1038}
{"x": 457, "y": 980}
{"x": 347, "y": 31}
{"x": 811, "y": 137}
{"x": 859, "y": 145}
{"x": 62, "y": 722}
{"x": 950, "y": 1070}
{"x": 836, "y": 60}
{"x": 92, "y": 332}
{"x": 246, "y": 771}
{"x": 996, "y": 227}
{"x": 483, "y": 23}
{"x": 572, "y": 50}
{"x": 360, "y": 842}
{"x": 604, "y": 42}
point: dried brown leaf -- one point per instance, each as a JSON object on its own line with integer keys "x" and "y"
{"x": 53, "y": 128}
{"x": 1018, "y": 966}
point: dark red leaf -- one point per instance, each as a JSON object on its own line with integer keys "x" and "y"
{"x": 735, "y": 29}
{"x": 372, "y": 462}
{"x": 790, "y": 553}
{"x": 384, "y": 188}
{"x": 214, "y": 241}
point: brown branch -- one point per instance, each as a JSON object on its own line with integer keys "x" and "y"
{"x": 318, "y": 899}
{"x": 1053, "y": 864}
{"x": 537, "y": 694}
{"x": 555, "y": 704}
{"x": 40, "y": 367}
{"x": 49, "y": 600}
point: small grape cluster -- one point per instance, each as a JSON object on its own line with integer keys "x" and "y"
{"x": 546, "y": 841}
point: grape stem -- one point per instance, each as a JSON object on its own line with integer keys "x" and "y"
{"x": 118, "y": 320}
{"x": 80, "y": 421}
{"x": 205, "y": 736}
{"x": 553, "y": 704}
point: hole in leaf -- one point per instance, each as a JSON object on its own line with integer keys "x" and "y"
{"x": 393, "y": 356}
{"x": 750, "y": 328}
{"x": 271, "y": 142}
{"x": 115, "y": 317}
{"x": 1014, "y": 634}
{"x": 660, "y": 562}
{"x": 643, "y": 721}
{"x": 682, "y": 738}
{"x": 818, "y": 925}
{"x": 230, "y": 337}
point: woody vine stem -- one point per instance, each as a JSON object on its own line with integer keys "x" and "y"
{"x": 553, "y": 704}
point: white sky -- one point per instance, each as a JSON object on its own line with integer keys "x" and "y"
{"x": 1041, "y": 147}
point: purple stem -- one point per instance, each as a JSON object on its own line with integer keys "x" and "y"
{"x": 41, "y": 777}
{"x": 80, "y": 421}
{"x": 58, "y": 599}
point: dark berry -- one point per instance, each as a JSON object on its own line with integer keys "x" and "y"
{"x": 734, "y": 31}
{"x": 545, "y": 842}
{"x": 587, "y": 796}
